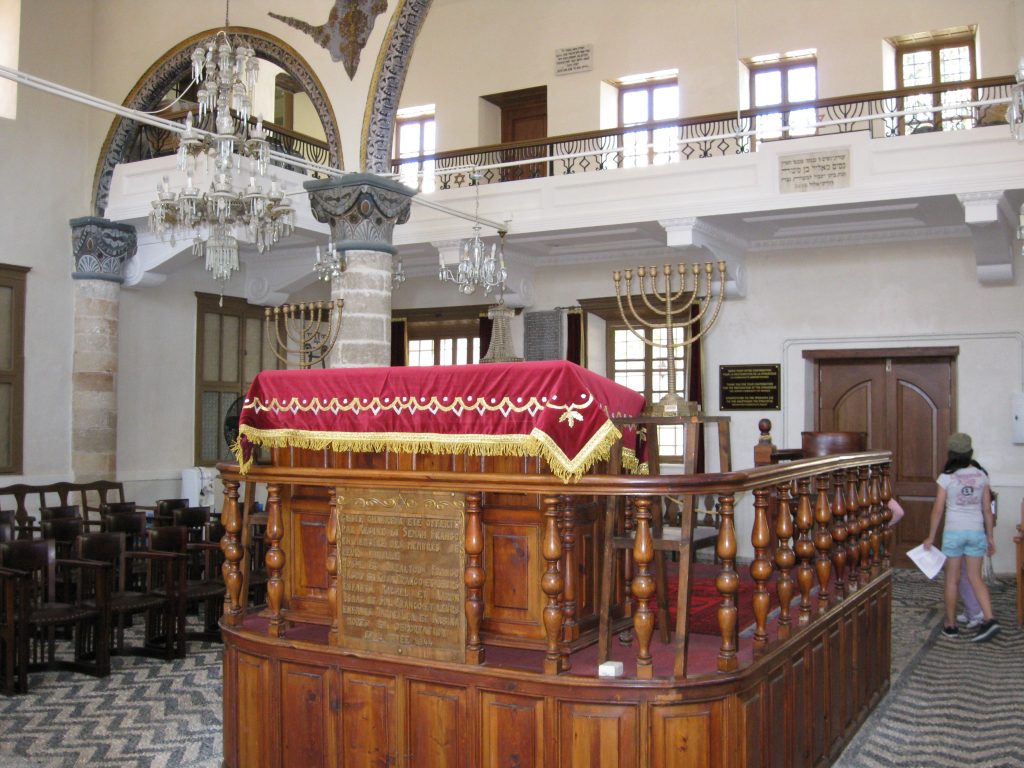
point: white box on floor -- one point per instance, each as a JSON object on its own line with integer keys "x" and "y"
{"x": 610, "y": 669}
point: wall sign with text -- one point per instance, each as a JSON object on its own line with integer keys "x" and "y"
{"x": 749, "y": 387}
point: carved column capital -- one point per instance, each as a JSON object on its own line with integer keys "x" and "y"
{"x": 100, "y": 248}
{"x": 362, "y": 210}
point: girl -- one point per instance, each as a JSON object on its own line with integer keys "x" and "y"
{"x": 965, "y": 497}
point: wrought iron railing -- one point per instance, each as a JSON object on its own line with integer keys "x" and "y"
{"x": 149, "y": 141}
{"x": 947, "y": 106}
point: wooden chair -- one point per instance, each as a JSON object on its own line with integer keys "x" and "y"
{"x": 204, "y": 587}
{"x": 162, "y": 512}
{"x": 30, "y": 613}
{"x": 156, "y": 597}
{"x": 116, "y": 508}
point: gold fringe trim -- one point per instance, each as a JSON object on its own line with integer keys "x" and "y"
{"x": 632, "y": 464}
{"x": 537, "y": 443}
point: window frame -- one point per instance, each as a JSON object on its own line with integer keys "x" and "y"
{"x": 226, "y": 306}
{"x": 15, "y": 278}
{"x": 785, "y": 107}
{"x": 649, "y": 85}
{"x": 440, "y": 323}
{"x": 418, "y": 116}
{"x": 934, "y": 43}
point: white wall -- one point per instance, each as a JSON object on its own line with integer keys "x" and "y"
{"x": 471, "y": 48}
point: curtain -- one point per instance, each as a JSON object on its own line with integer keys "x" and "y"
{"x": 398, "y": 341}
{"x": 575, "y": 345}
{"x": 486, "y": 324}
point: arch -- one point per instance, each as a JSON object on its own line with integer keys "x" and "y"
{"x": 174, "y": 64}
{"x": 389, "y": 77}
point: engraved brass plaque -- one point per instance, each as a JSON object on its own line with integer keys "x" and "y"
{"x": 401, "y": 561}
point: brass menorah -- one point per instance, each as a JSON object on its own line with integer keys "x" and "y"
{"x": 296, "y": 333}
{"x": 670, "y": 306}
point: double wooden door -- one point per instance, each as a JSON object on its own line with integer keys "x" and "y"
{"x": 904, "y": 399}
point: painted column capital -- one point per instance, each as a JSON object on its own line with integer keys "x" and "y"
{"x": 362, "y": 209}
{"x": 100, "y": 248}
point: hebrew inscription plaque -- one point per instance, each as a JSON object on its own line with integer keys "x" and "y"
{"x": 401, "y": 586}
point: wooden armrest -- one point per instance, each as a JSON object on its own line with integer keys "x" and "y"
{"x": 13, "y": 573}
{"x": 69, "y": 562}
{"x": 150, "y": 554}
{"x": 211, "y": 545}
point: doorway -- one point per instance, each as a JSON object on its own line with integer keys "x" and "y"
{"x": 905, "y": 400}
{"x": 524, "y": 118}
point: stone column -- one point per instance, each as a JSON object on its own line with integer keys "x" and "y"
{"x": 362, "y": 210}
{"x": 99, "y": 248}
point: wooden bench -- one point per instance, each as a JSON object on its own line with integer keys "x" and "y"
{"x": 89, "y": 497}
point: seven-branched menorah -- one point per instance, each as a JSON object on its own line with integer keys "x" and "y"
{"x": 298, "y": 332}
{"x": 674, "y": 310}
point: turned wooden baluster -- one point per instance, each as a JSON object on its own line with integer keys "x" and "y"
{"x": 275, "y": 562}
{"x": 474, "y": 576}
{"x": 332, "y": 563}
{"x": 864, "y": 516}
{"x": 823, "y": 541}
{"x": 231, "y": 546}
{"x": 853, "y": 524}
{"x": 839, "y": 534}
{"x": 785, "y": 558}
{"x": 628, "y": 526}
{"x": 552, "y": 584}
{"x": 875, "y": 521}
{"x": 728, "y": 584}
{"x": 760, "y": 568}
{"x": 887, "y": 532}
{"x": 571, "y": 629}
{"x": 643, "y": 588}
{"x": 804, "y": 548}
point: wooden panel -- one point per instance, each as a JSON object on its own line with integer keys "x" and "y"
{"x": 793, "y": 726}
{"x": 369, "y": 724}
{"x": 687, "y": 736}
{"x": 437, "y": 726}
{"x": 847, "y": 671}
{"x": 752, "y": 722}
{"x": 256, "y": 732}
{"x": 861, "y": 655}
{"x": 817, "y": 699}
{"x": 837, "y": 727}
{"x": 308, "y": 724}
{"x": 512, "y": 731}
{"x": 780, "y": 736}
{"x": 513, "y": 562}
{"x": 597, "y": 736}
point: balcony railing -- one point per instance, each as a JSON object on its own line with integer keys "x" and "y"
{"x": 947, "y": 106}
{"x": 149, "y": 141}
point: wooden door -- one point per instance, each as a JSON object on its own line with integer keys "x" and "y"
{"x": 524, "y": 117}
{"x": 904, "y": 400}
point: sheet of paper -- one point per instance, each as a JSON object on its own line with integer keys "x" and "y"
{"x": 929, "y": 561}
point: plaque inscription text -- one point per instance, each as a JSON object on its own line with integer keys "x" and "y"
{"x": 401, "y": 583}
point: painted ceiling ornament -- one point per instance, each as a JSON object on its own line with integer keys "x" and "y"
{"x": 346, "y": 31}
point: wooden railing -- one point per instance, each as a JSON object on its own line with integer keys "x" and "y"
{"x": 884, "y": 114}
{"x": 819, "y": 524}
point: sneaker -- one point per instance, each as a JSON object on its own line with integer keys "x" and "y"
{"x": 951, "y": 631}
{"x": 986, "y": 631}
{"x": 970, "y": 621}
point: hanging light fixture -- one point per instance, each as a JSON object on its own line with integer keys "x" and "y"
{"x": 226, "y": 74}
{"x": 1015, "y": 114}
{"x": 476, "y": 267}
{"x": 331, "y": 263}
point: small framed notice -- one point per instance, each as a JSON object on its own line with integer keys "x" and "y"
{"x": 749, "y": 387}
{"x": 578, "y": 58}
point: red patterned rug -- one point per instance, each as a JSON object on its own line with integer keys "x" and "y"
{"x": 705, "y": 597}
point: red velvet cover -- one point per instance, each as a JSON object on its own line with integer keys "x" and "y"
{"x": 556, "y": 410}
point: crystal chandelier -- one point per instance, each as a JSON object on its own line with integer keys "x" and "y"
{"x": 331, "y": 264}
{"x": 476, "y": 267}
{"x": 1015, "y": 114}
{"x": 215, "y": 219}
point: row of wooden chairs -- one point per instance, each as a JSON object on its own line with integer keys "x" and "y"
{"x": 86, "y": 586}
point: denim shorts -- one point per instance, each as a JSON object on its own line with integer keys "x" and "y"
{"x": 970, "y": 543}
